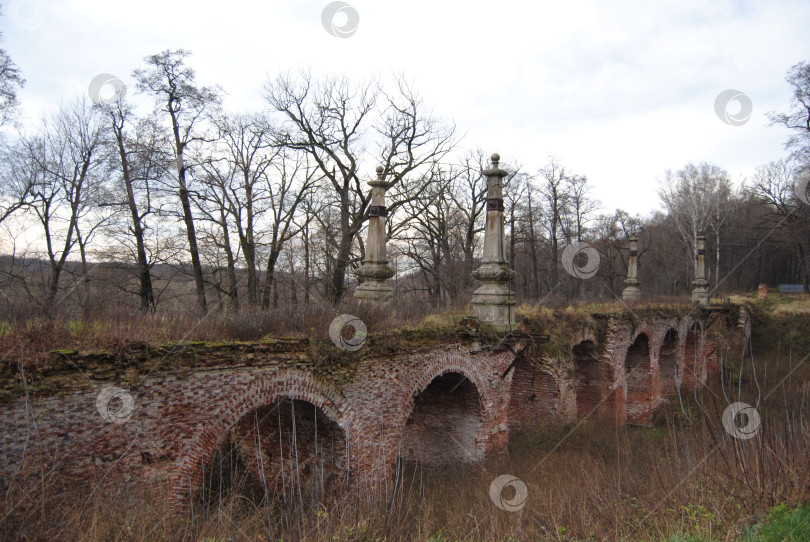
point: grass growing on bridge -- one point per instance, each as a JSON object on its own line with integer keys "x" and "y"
{"x": 684, "y": 479}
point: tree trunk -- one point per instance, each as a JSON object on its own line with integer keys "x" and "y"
{"x": 268, "y": 278}
{"x": 717, "y": 260}
{"x": 533, "y": 251}
{"x": 338, "y": 284}
{"x": 188, "y": 218}
{"x": 196, "y": 267}
{"x": 145, "y": 292}
{"x": 233, "y": 293}
{"x": 248, "y": 250}
{"x": 85, "y": 277}
{"x": 306, "y": 266}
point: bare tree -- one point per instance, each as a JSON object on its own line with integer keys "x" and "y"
{"x": 247, "y": 146}
{"x": 11, "y": 80}
{"x": 16, "y": 183}
{"x": 334, "y": 121}
{"x": 534, "y": 213}
{"x": 139, "y": 159}
{"x": 63, "y": 159}
{"x": 693, "y": 196}
{"x": 468, "y": 192}
{"x": 171, "y": 82}
{"x": 774, "y": 185}
{"x": 287, "y": 187}
{"x": 797, "y": 118}
{"x": 554, "y": 189}
{"x": 576, "y": 216}
{"x": 216, "y": 208}
{"x": 427, "y": 239}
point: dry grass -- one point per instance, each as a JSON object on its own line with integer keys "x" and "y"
{"x": 589, "y": 481}
{"x": 586, "y": 482}
{"x": 31, "y": 337}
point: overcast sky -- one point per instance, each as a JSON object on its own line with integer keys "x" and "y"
{"x": 618, "y": 90}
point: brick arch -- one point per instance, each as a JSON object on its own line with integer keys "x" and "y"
{"x": 591, "y": 374}
{"x": 669, "y": 366}
{"x": 534, "y": 397}
{"x": 637, "y": 365}
{"x": 469, "y": 390}
{"x": 453, "y": 364}
{"x": 691, "y": 358}
{"x": 263, "y": 391}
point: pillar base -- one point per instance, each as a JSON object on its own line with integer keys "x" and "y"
{"x": 373, "y": 290}
{"x": 631, "y": 293}
{"x": 375, "y": 286}
{"x": 495, "y": 305}
{"x": 700, "y": 293}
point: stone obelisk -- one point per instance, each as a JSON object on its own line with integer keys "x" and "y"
{"x": 494, "y": 302}
{"x": 700, "y": 286}
{"x": 375, "y": 271}
{"x": 631, "y": 290}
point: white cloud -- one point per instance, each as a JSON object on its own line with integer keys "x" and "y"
{"x": 620, "y": 91}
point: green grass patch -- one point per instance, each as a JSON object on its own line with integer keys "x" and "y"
{"x": 783, "y": 524}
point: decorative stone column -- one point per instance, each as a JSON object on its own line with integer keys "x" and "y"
{"x": 494, "y": 303}
{"x": 700, "y": 286}
{"x": 375, "y": 271}
{"x": 631, "y": 291}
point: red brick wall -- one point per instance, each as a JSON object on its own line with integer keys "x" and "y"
{"x": 668, "y": 363}
{"x": 591, "y": 375}
{"x": 534, "y": 398}
{"x": 445, "y": 424}
{"x": 638, "y": 378}
{"x": 392, "y": 405}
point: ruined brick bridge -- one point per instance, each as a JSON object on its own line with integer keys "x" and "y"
{"x": 289, "y": 409}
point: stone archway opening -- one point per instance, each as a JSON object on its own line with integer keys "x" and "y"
{"x": 445, "y": 423}
{"x": 589, "y": 378}
{"x": 668, "y": 363}
{"x": 691, "y": 354}
{"x": 286, "y": 453}
{"x": 638, "y": 380}
{"x": 534, "y": 398}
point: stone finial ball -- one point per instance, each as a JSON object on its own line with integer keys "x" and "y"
{"x": 496, "y": 157}
{"x": 380, "y": 169}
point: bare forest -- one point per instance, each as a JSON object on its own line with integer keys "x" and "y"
{"x": 189, "y": 207}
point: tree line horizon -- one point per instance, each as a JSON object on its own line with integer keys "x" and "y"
{"x": 269, "y": 207}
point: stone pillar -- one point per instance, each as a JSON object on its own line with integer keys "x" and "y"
{"x": 494, "y": 302}
{"x": 631, "y": 291}
{"x": 700, "y": 286}
{"x": 375, "y": 271}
